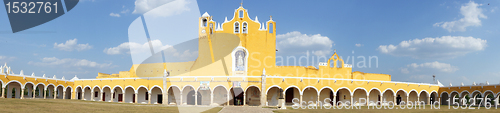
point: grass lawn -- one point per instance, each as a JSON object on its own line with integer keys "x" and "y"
{"x": 363, "y": 109}
{"x": 8, "y": 105}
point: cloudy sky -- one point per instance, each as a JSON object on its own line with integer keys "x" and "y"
{"x": 455, "y": 40}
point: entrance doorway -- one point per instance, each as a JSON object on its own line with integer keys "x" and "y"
{"x": 160, "y": 98}
{"x": 289, "y": 96}
{"x": 120, "y": 97}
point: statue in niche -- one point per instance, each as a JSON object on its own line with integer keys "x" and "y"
{"x": 240, "y": 60}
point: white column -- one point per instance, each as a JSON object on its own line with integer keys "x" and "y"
{"x": 211, "y": 98}
{"x": 3, "y": 92}
{"x": 22, "y": 93}
{"x": 92, "y": 95}
{"x": 300, "y": 99}
{"x": 195, "y": 97}
{"x": 244, "y": 98}
{"x": 112, "y": 97}
{"x": 34, "y": 92}
{"x": 55, "y": 93}
{"x": 64, "y": 94}
{"x": 149, "y": 98}
{"x": 136, "y": 96}
{"x": 102, "y": 96}
{"x": 228, "y": 94}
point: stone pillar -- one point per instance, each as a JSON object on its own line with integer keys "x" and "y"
{"x": 407, "y": 99}
{"x": 418, "y": 100}
{"x": 3, "y": 92}
{"x": 112, "y": 97}
{"x": 263, "y": 95}
{"x": 91, "y": 95}
{"x": 136, "y": 96}
{"x": 395, "y": 100}
{"x": 317, "y": 102}
{"x": 195, "y": 97}
{"x": 102, "y": 96}
{"x": 83, "y": 95}
{"x": 334, "y": 100}
{"x": 34, "y": 92}
{"x": 211, "y": 98}
{"x": 352, "y": 100}
{"x": 123, "y": 97}
{"x": 300, "y": 99}
{"x": 244, "y": 98}
{"x": 367, "y": 98}
{"x": 45, "y": 94}
{"x": 64, "y": 94}
{"x": 149, "y": 98}
{"x": 429, "y": 100}
{"x": 228, "y": 94}
{"x": 22, "y": 93}
{"x": 381, "y": 99}
{"x": 55, "y": 93}
{"x": 181, "y": 102}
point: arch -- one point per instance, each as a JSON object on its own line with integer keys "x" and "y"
{"x": 375, "y": 95}
{"x": 343, "y": 97}
{"x": 389, "y": 97}
{"x": 236, "y": 96}
{"x": 310, "y": 93}
{"x": 267, "y": 91}
{"x": 60, "y": 91}
{"x": 188, "y": 95}
{"x": 78, "y": 92}
{"x": 252, "y": 95}
{"x": 106, "y": 93}
{"x": 29, "y": 86}
{"x": 68, "y": 92}
{"x": 118, "y": 86}
{"x": 96, "y": 91}
{"x": 118, "y": 94}
{"x": 155, "y": 86}
{"x": 129, "y": 96}
{"x": 40, "y": 89}
{"x": 401, "y": 96}
{"x": 15, "y": 87}
{"x": 49, "y": 91}
{"x": 473, "y": 94}
{"x": 358, "y": 95}
{"x": 87, "y": 93}
{"x": 444, "y": 97}
{"x": 452, "y": 96}
{"x": 236, "y": 27}
{"x": 484, "y": 93}
{"x": 156, "y": 95}
{"x": 244, "y": 27}
{"x": 142, "y": 94}
{"x": 290, "y": 93}
{"x": 433, "y": 97}
{"x": 241, "y": 13}
{"x": 423, "y": 97}
{"x": 220, "y": 95}
{"x": 174, "y": 95}
{"x": 462, "y": 93}
{"x": 413, "y": 96}
{"x": 141, "y": 86}
{"x": 15, "y": 82}
{"x": 326, "y": 93}
{"x": 203, "y": 96}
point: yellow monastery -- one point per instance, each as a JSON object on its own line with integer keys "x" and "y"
{"x": 245, "y": 74}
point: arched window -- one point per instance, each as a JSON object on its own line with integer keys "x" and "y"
{"x": 211, "y": 28}
{"x": 271, "y": 27}
{"x": 245, "y": 27}
{"x": 204, "y": 22}
{"x": 236, "y": 27}
{"x": 241, "y": 14}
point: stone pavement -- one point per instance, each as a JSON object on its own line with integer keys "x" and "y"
{"x": 245, "y": 109}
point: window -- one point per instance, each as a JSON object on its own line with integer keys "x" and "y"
{"x": 236, "y": 27}
{"x": 204, "y": 22}
{"x": 271, "y": 28}
{"x": 245, "y": 27}
{"x": 211, "y": 28}
{"x": 241, "y": 14}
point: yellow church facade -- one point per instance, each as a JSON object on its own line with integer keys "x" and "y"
{"x": 245, "y": 74}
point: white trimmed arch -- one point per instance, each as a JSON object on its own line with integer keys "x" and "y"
{"x": 100, "y": 89}
{"x": 310, "y": 87}
{"x": 77, "y": 88}
{"x": 480, "y": 93}
{"x": 412, "y": 90}
{"x": 293, "y": 86}
{"x": 326, "y": 87}
{"x": 151, "y": 89}
{"x": 460, "y": 94}
{"x": 137, "y": 90}
{"x": 29, "y": 83}
{"x": 187, "y": 86}
{"x": 3, "y": 84}
{"x": 113, "y": 90}
{"x": 64, "y": 88}
{"x": 130, "y": 87}
{"x": 212, "y": 90}
{"x": 170, "y": 87}
{"x": 272, "y": 87}
{"x": 50, "y": 84}
{"x": 393, "y": 93}
{"x": 380, "y": 92}
{"x": 22, "y": 85}
{"x": 253, "y": 86}
{"x": 352, "y": 93}
{"x": 494, "y": 94}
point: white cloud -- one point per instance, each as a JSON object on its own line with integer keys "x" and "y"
{"x": 4, "y": 59}
{"x": 439, "y": 48}
{"x": 429, "y": 67}
{"x": 114, "y": 14}
{"x": 136, "y": 47}
{"x": 472, "y": 14}
{"x": 69, "y": 62}
{"x": 173, "y": 7}
{"x": 125, "y": 11}
{"x": 358, "y": 45}
{"x": 71, "y": 45}
{"x": 293, "y": 43}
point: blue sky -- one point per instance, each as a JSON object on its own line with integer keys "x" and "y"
{"x": 455, "y": 40}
